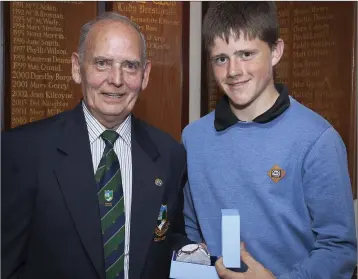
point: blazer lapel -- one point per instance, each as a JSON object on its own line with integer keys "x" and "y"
{"x": 75, "y": 175}
{"x": 146, "y": 197}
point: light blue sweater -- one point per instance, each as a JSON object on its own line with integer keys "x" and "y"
{"x": 300, "y": 227}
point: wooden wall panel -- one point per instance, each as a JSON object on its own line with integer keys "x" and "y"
{"x": 40, "y": 38}
{"x": 165, "y": 102}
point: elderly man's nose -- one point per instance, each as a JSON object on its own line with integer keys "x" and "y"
{"x": 116, "y": 76}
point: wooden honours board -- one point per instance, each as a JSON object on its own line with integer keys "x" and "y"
{"x": 40, "y": 38}
{"x": 318, "y": 65}
{"x": 165, "y": 25}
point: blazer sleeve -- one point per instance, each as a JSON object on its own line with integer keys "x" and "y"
{"x": 17, "y": 202}
{"x": 179, "y": 238}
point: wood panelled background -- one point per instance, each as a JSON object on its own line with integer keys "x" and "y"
{"x": 165, "y": 102}
{"x": 39, "y": 40}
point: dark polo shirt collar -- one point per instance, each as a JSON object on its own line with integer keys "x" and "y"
{"x": 224, "y": 118}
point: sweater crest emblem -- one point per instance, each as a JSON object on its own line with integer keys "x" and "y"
{"x": 276, "y": 173}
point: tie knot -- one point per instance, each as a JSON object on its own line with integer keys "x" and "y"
{"x": 109, "y": 136}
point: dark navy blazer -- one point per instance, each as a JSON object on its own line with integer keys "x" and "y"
{"x": 50, "y": 217}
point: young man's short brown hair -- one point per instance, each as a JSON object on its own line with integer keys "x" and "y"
{"x": 253, "y": 19}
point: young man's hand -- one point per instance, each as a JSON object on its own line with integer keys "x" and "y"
{"x": 255, "y": 269}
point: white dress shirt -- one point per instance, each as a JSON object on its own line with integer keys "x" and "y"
{"x": 122, "y": 148}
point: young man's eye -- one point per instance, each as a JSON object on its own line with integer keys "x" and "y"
{"x": 220, "y": 60}
{"x": 247, "y": 55}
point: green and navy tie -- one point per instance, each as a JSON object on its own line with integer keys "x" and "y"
{"x": 111, "y": 205}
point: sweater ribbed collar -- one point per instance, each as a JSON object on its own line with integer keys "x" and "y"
{"x": 224, "y": 117}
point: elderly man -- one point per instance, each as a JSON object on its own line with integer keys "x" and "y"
{"x": 94, "y": 192}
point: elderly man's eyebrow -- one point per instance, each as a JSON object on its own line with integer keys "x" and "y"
{"x": 127, "y": 61}
{"x": 102, "y": 58}
{"x": 135, "y": 62}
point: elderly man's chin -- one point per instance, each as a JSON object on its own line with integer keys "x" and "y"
{"x": 112, "y": 119}
{"x": 116, "y": 111}
{"x": 114, "y": 106}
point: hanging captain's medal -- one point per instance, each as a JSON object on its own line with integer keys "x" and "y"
{"x": 162, "y": 223}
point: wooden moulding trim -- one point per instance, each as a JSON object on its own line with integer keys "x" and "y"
{"x": 6, "y": 94}
{"x": 204, "y": 103}
{"x": 353, "y": 128}
{"x": 185, "y": 64}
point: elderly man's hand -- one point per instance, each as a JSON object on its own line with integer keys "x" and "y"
{"x": 255, "y": 269}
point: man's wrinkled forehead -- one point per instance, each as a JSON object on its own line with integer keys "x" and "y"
{"x": 99, "y": 31}
{"x": 104, "y": 32}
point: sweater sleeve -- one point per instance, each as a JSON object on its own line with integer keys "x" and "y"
{"x": 192, "y": 228}
{"x": 328, "y": 197}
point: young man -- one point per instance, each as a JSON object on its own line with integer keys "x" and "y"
{"x": 280, "y": 164}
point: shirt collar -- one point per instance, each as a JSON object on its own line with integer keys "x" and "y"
{"x": 95, "y": 128}
{"x": 225, "y": 118}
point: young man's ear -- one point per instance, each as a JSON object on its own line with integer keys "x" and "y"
{"x": 277, "y": 51}
{"x": 76, "y": 69}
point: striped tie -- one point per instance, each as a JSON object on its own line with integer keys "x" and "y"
{"x": 111, "y": 205}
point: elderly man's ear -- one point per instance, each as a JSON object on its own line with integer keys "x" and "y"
{"x": 76, "y": 69}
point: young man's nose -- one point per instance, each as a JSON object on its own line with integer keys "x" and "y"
{"x": 235, "y": 67}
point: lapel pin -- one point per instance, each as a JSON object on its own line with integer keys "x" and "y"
{"x": 158, "y": 182}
